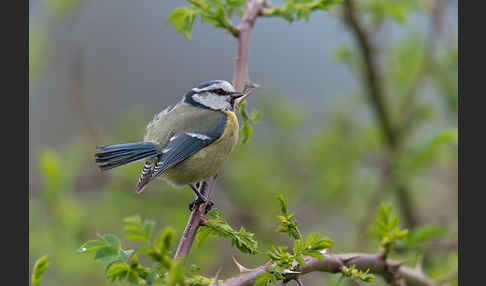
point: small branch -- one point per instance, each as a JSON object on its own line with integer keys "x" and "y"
{"x": 195, "y": 220}
{"x": 241, "y": 78}
{"x": 436, "y": 12}
{"x": 333, "y": 264}
{"x": 376, "y": 91}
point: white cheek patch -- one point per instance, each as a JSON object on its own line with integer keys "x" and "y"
{"x": 212, "y": 101}
{"x": 198, "y": 136}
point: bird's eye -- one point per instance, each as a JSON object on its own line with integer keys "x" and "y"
{"x": 219, "y": 91}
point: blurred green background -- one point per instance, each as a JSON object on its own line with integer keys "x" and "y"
{"x": 100, "y": 70}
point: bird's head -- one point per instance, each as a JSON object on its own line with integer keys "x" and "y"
{"x": 215, "y": 95}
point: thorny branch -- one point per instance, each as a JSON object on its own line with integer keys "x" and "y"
{"x": 239, "y": 82}
{"x": 333, "y": 263}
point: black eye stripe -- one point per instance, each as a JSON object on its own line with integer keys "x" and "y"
{"x": 220, "y": 91}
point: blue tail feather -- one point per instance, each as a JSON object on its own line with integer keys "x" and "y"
{"x": 117, "y": 155}
{"x": 105, "y": 156}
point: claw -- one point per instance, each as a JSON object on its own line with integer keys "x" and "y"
{"x": 198, "y": 201}
{"x": 209, "y": 207}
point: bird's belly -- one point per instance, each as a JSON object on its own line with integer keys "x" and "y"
{"x": 208, "y": 161}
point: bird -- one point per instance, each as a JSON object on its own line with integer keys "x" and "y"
{"x": 185, "y": 143}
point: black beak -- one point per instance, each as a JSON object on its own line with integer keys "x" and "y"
{"x": 236, "y": 95}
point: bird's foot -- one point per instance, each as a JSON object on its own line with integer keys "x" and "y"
{"x": 209, "y": 207}
{"x": 199, "y": 201}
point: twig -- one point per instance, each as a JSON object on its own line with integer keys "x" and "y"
{"x": 436, "y": 12}
{"x": 241, "y": 78}
{"x": 333, "y": 264}
{"x": 195, "y": 220}
{"x": 376, "y": 93}
{"x": 373, "y": 80}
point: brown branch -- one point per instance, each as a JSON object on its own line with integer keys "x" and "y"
{"x": 241, "y": 78}
{"x": 373, "y": 79}
{"x": 436, "y": 12}
{"x": 195, "y": 220}
{"x": 239, "y": 82}
{"x": 390, "y": 270}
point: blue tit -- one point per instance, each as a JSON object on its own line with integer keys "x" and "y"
{"x": 185, "y": 143}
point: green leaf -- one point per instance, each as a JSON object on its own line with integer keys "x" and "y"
{"x": 217, "y": 226}
{"x": 111, "y": 240}
{"x": 40, "y": 268}
{"x": 135, "y": 229}
{"x": 164, "y": 240}
{"x": 90, "y": 246}
{"x": 283, "y": 204}
{"x": 300, "y": 260}
{"x": 354, "y": 274}
{"x": 255, "y": 115}
{"x": 133, "y": 277}
{"x": 134, "y": 219}
{"x": 198, "y": 280}
{"x": 387, "y": 229}
{"x": 117, "y": 271}
{"x": 176, "y": 274}
{"x": 246, "y": 132}
{"x": 423, "y": 233}
{"x": 287, "y": 222}
{"x": 183, "y": 19}
{"x": 107, "y": 254}
{"x": 148, "y": 228}
{"x": 264, "y": 279}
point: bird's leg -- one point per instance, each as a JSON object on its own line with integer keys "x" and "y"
{"x": 201, "y": 199}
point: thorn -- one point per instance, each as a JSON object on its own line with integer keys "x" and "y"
{"x": 240, "y": 267}
{"x": 288, "y": 271}
{"x": 326, "y": 251}
{"x": 349, "y": 258}
{"x": 250, "y": 84}
{"x": 215, "y": 280}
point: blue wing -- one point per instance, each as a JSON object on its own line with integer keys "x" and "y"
{"x": 184, "y": 144}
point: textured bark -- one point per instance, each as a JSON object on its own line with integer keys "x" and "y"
{"x": 390, "y": 270}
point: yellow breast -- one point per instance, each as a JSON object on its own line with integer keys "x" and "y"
{"x": 232, "y": 126}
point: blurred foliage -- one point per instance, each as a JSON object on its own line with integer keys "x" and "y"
{"x": 387, "y": 229}
{"x": 329, "y": 169}
{"x": 40, "y": 267}
{"x": 397, "y": 10}
{"x": 297, "y": 9}
{"x": 39, "y": 39}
